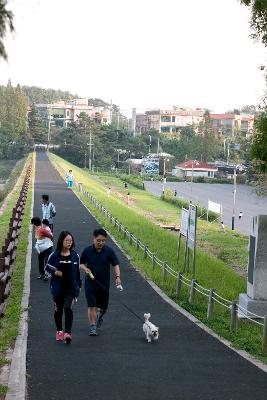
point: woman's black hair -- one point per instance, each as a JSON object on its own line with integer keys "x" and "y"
{"x": 36, "y": 221}
{"x": 61, "y": 239}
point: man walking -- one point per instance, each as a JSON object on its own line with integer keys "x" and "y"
{"x": 96, "y": 261}
{"x": 48, "y": 210}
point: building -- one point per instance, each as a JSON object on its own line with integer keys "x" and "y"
{"x": 230, "y": 124}
{"x": 168, "y": 121}
{"x": 61, "y": 113}
{"x": 194, "y": 168}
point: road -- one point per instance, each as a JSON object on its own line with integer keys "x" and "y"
{"x": 247, "y": 200}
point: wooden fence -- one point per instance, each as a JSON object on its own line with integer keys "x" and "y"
{"x": 9, "y": 250}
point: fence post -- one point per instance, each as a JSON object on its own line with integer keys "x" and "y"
{"x": 210, "y": 304}
{"x": 164, "y": 269}
{"x": 145, "y": 251}
{"x": 192, "y": 292}
{"x": 125, "y": 232}
{"x": 233, "y": 308}
{"x": 264, "y": 338}
{"x": 178, "y": 284}
{"x": 137, "y": 244}
{"x": 130, "y": 238}
{"x": 153, "y": 261}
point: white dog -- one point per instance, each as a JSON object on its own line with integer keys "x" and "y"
{"x": 151, "y": 331}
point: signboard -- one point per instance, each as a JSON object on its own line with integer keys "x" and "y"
{"x": 214, "y": 207}
{"x": 192, "y": 226}
{"x": 151, "y": 165}
{"x": 184, "y": 222}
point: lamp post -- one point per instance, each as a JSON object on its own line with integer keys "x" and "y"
{"x": 149, "y": 147}
{"x": 234, "y": 196}
{"x": 192, "y": 175}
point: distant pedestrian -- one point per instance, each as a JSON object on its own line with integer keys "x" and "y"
{"x": 70, "y": 179}
{"x": 48, "y": 210}
{"x": 43, "y": 245}
{"x": 96, "y": 261}
{"x": 108, "y": 191}
{"x": 125, "y": 185}
{"x": 63, "y": 267}
{"x": 127, "y": 198}
{"x": 175, "y": 193}
{"x": 240, "y": 215}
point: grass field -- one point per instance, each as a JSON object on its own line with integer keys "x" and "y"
{"x": 6, "y": 167}
{"x": 141, "y": 218}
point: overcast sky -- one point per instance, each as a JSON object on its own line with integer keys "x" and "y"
{"x": 141, "y": 53}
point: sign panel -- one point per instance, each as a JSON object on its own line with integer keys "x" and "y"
{"x": 184, "y": 222}
{"x": 215, "y": 207}
{"x": 151, "y": 165}
{"x": 192, "y": 226}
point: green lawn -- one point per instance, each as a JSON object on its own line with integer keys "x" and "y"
{"x": 6, "y": 167}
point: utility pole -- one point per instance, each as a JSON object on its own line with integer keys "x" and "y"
{"x": 133, "y": 121}
{"x": 234, "y": 195}
{"x": 90, "y": 149}
{"x": 118, "y": 125}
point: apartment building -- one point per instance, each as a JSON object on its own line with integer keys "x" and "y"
{"x": 62, "y": 113}
{"x": 168, "y": 121}
{"x": 230, "y": 124}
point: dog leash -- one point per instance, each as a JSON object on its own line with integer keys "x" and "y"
{"x": 91, "y": 276}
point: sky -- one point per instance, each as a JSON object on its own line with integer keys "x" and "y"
{"x": 143, "y": 53}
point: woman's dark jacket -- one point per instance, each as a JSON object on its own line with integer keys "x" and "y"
{"x": 53, "y": 265}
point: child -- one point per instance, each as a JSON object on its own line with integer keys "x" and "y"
{"x": 69, "y": 178}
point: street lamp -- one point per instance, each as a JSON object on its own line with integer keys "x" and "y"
{"x": 149, "y": 147}
{"x": 194, "y": 162}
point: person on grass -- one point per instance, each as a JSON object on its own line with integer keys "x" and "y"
{"x": 95, "y": 262}
{"x": 43, "y": 245}
{"x": 63, "y": 265}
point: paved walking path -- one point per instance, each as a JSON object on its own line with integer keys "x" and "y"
{"x": 186, "y": 363}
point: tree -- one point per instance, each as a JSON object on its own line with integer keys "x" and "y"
{"x": 258, "y": 150}
{"x": 258, "y": 20}
{"x": 36, "y": 127}
{"x": 6, "y": 21}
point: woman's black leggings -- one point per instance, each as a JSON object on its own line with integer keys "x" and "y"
{"x": 42, "y": 258}
{"x": 63, "y": 302}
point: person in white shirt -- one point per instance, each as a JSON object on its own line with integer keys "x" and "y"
{"x": 48, "y": 210}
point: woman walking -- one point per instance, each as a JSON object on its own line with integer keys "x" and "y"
{"x": 63, "y": 265}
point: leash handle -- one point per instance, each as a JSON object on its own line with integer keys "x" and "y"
{"x": 119, "y": 287}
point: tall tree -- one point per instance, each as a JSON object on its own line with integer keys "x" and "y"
{"x": 258, "y": 20}
{"x": 6, "y": 22}
{"x": 36, "y": 127}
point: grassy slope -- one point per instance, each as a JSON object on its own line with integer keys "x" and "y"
{"x": 210, "y": 271}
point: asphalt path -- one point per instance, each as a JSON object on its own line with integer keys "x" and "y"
{"x": 185, "y": 363}
{"x": 246, "y": 200}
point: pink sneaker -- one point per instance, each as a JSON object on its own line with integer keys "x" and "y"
{"x": 59, "y": 335}
{"x": 67, "y": 338}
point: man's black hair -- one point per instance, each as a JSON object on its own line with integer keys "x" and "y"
{"x": 100, "y": 231}
{"x": 36, "y": 221}
{"x": 61, "y": 238}
{"x": 45, "y": 222}
{"x": 45, "y": 197}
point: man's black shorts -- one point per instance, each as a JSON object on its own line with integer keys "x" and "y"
{"x": 96, "y": 296}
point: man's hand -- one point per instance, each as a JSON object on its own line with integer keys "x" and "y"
{"x": 58, "y": 273}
